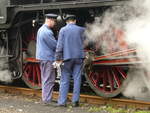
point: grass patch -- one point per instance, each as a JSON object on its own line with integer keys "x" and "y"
{"x": 111, "y": 109}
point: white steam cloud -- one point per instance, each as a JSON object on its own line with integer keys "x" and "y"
{"x": 5, "y": 74}
{"x": 134, "y": 20}
{"x": 138, "y": 33}
{"x": 136, "y": 88}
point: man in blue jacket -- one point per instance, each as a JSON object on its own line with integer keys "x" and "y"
{"x": 70, "y": 50}
{"x": 45, "y": 51}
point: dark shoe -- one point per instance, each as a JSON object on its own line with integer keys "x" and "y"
{"x": 48, "y": 103}
{"x": 75, "y": 104}
{"x": 61, "y": 105}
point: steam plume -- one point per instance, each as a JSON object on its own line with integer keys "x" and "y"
{"x": 134, "y": 20}
{"x": 5, "y": 74}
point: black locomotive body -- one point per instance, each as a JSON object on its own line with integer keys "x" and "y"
{"x": 19, "y": 21}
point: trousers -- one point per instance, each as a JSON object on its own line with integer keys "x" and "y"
{"x": 71, "y": 67}
{"x": 48, "y": 80}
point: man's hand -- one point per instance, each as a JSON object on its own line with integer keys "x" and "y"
{"x": 57, "y": 63}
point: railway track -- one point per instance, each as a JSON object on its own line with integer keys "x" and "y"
{"x": 83, "y": 98}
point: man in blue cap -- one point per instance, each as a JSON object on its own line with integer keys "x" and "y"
{"x": 45, "y": 51}
{"x": 70, "y": 50}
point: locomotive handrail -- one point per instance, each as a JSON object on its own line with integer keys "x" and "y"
{"x": 118, "y": 53}
{"x": 119, "y": 62}
{"x": 115, "y": 58}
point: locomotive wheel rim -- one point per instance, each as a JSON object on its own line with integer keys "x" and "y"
{"x": 106, "y": 81}
{"x": 32, "y": 75}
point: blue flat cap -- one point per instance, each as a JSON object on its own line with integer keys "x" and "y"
{"x": 50, "y": 15}
{"x": 69, "y": 16}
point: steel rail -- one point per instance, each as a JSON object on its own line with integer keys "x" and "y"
{"x": 96, "y": 100}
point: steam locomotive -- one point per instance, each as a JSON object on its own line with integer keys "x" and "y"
{"x": 19, "y": 21}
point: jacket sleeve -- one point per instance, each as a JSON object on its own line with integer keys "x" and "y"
{"x": 50, "y": 41}
{"x": 59, "y": 47}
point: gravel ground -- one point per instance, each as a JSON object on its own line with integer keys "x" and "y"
{"x": 12, "y": 103}
{"x": 15, "y": 103}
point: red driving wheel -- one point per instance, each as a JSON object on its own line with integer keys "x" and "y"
{"x": 32, "y": 74}
{"x": 106, "y": 81}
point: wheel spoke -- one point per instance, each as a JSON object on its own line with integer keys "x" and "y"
{"x": 104, "y": 81}
{"x": 122, "y": 73}
{"x": 30, "y": 71}
{"x": 98, "y": 80}
{"x": 116, "y": 78}
{"x": 95, "y": 78}
{"x": 110, "y": 79}
{"x": 26, "y": 75}
{"x": 32, "y": 75}
{"x": 38, "y": 74}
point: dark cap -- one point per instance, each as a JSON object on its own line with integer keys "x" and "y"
{"x": 69, "y": 16}
{"x": 51, "y": 16}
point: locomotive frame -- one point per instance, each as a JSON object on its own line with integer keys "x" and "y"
{"x": 105, "y": 74}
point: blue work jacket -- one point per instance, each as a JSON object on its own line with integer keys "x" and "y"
{"x": 70, "y": 43}
{"x": 45, "y": 44}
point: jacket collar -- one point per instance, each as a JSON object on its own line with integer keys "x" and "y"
{"x": 45, "y": 25}
{"x": 71, "y": 24}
